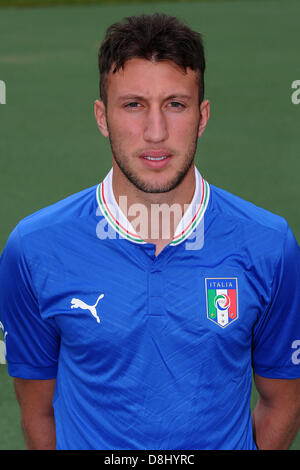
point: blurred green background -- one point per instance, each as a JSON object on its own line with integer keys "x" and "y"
{"x": 50, "y": 146}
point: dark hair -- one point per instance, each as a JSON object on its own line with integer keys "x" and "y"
{"x": 153, "y": 37}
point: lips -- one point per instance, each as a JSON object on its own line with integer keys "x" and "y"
{"x": 156, "y": 153}
{"x": 155, "y": 159}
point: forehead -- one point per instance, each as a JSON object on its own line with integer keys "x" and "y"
{"x": 149, "y": 78}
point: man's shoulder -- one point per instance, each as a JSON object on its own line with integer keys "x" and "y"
{"x": 233, "y": 207}
{"x": 74, "y": 206}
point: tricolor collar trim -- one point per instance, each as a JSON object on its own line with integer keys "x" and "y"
{"x": 116, "y": 218}
{"x": 112, "y": 212}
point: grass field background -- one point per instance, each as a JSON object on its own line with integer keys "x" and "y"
{"x": 50, "y": 146}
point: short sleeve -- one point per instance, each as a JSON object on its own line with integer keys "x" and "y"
{"x": 32, "y": 343}
{"x": 276, "y": 337}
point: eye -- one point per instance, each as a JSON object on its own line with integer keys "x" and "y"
{"x": 176, "y": 104}
{"x": 132, "y": 105}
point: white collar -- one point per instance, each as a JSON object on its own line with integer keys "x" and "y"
{"x": 117, "y": 219}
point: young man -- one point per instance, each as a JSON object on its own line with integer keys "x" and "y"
{"x": 129, "y": 327}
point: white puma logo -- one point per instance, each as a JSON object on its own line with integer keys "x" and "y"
{"x": 77, "y": 303}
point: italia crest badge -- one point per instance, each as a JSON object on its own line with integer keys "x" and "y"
{"x": 222, "y": 300}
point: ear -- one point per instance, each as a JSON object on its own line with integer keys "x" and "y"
{"x": 204, "y": 116}
{"x": 100, "y": 115}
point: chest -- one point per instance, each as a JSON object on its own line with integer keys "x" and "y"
{"x": 121, "y": 303}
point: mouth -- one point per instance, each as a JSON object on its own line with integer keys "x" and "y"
{"x": 156, "y": 159}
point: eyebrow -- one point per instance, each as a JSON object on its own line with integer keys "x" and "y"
{"x": 140, "y": 97}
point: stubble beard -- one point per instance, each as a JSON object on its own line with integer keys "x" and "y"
{"x": 121, "y": 159}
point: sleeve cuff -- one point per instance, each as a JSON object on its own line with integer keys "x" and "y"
{"x": 26, "y": 371}
{"x": 278, "y": 373}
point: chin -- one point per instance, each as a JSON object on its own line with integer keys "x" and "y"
{"x": 159, "y": 186}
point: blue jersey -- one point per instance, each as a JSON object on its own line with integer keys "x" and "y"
{"x": 151, "y": 352}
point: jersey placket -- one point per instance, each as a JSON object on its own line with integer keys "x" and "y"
{"x": 155, "y": 289}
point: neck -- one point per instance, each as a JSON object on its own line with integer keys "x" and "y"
{"x": 154, "y": 216}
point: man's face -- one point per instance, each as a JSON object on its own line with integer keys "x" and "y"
{"x": 153, "y": 122}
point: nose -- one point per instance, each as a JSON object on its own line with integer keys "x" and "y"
{"x": 156, "y": 129}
